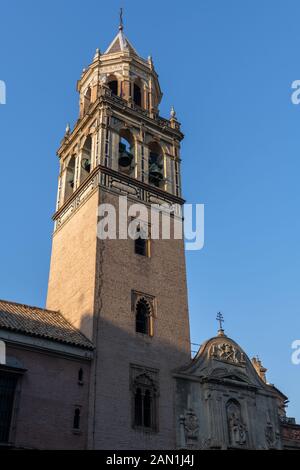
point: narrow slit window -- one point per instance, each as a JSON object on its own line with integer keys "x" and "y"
{"x": 76, "y": 420}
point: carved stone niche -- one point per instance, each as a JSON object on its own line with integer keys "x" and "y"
{"x": 189, "y": 429}
{"x": 225, "y": 351}
{"x": 272, "y": 435}
{"x": 237, "y": 430}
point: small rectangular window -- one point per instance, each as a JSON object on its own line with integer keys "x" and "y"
{"x": 142, "y": 243}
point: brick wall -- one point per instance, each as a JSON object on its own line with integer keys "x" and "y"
{"x": 45, "y": 400}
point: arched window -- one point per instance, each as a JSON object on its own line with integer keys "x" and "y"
{"x": 126, "y": 152}
{"x": 86, "y": 159}
{"x": 76, "y": 419}
{"x": 87, "y": 100}
{"x": 70, "y": 178}
{"x": 156, "y": 167}
{"x": 145, "y": 404}
{"x": 137, "y": 94}
{"x": 113, "y": 85}
{"x": 143, "y": 318}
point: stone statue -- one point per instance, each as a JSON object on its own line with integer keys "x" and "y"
{"x": 237, "y": 429}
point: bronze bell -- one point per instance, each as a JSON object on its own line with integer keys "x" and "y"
{"x": 155, "y": 174}
{"x": 86, "y": 165}
{"x": 125, "y": 158}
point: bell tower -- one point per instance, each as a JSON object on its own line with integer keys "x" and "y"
{"x": 128, "y": 296}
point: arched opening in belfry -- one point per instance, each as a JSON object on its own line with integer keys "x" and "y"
{"x": 156, "y": 165}
{"x": 113, "y": 85}
{"x": 86, "y": 158}
{"x": 87, "y": 100}
{"x": 126, "y": 151}
{"x": 70, "y": 178}
{"x": 137, "y": 93}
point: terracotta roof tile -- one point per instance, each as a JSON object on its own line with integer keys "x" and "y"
{"x": 42, "y": 323}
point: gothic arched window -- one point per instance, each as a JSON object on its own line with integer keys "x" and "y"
{"x": 143, "y": 318}
{"x": 145, "y": 403}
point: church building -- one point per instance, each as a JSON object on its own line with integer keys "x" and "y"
{"x": 107, "y": 364}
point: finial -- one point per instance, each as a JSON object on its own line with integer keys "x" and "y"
{"x": 173, "y": 113}
{"x": 220, "y": 319}
{"x": 121, "y": 25}
{"x": 97, "y": 54}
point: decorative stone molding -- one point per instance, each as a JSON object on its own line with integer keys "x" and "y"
{"x": 271, "y": 435}
{"x": 227, "y": 352}
{"x": 119, "y": 184}
{"x": 189, "y": 429}
{"x": 144, "y": 376}
{"x": 149, "y": 299}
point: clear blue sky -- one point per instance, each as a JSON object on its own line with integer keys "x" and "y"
{"x": 228, "y": 67}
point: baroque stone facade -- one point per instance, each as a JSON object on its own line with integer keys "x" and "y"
{"x": 223, "y": 403}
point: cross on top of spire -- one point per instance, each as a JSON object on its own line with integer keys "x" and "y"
{"x": 121, "y": 25}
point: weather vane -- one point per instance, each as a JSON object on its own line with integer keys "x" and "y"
{"x": 220, "y": 319}
{"x": 121, "y": 20}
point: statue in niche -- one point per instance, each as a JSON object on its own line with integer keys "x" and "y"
{"x": 237, "y": 429}
{"x": 271, "y": 434}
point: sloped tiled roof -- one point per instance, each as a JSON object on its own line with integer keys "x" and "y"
{"x": 120, "y": 44}
{"x": 38, "y": 322}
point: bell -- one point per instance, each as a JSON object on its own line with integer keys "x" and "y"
{"x": 125, "y": 158}
{"x": 155, "y": 174}
{"x": 86, "y": 165}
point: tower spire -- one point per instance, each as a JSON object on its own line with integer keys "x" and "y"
{"x": 121, "y": 25}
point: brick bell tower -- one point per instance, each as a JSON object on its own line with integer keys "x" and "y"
{"x": 128, "y": 296}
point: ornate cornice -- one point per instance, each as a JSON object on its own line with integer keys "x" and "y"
{"x": 117, "y": 183}
{"x": 158, "y": 123}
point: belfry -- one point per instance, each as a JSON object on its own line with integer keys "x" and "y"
{"x": 128, "y": 297}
